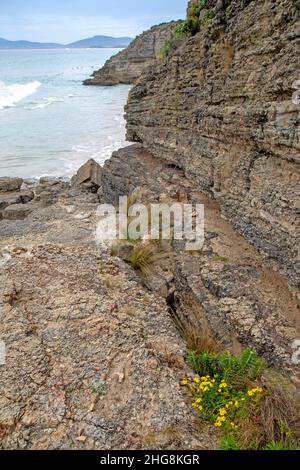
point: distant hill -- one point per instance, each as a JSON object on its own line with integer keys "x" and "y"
{"x": 96, "y": 41}
{"x": 4, "y": 44}
{"x": 101, "y": 41}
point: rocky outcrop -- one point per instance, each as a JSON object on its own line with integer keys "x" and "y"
{"x": 126, "y": 67}
{"x": 18, "y": 199}
{"x": 221, "y": 109}
{"x": 10, "y": 184}
{"x": 88, "y": 176}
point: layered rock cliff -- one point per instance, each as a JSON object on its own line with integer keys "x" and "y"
{"x": 220, "y": 108}
{"x": 127, "y": 65}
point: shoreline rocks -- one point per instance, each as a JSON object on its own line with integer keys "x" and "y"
{"x": 88, "y": 176}
{"x": 8, "y": 184}
{"x": 93, "y": 360}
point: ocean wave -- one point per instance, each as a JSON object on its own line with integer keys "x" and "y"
{"x": 47, "y": 102}
{"x": 10, "y": 95}
{"x": 81, "y": 153}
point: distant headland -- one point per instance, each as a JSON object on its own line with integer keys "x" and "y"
{"x": 94, "y": 42}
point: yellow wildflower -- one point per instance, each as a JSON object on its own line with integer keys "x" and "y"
{"x": 184, "y": 382}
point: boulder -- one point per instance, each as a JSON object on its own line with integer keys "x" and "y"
{"x": 47, "y": 197}
{"x": 26, "y": 196}
{"x": 9, "y": 199}
{"x": 125, "y": 250}
{"x": 15, "y": 198}
{"x": 10, "y": 184}
{"x": 89, "y": 176}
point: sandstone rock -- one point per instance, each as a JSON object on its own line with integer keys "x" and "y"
{"x": 87, "y": 361}
{"x": 10, "y": 184}
{"x": 49, "y": 180}
{"x": 9, "y": 199}
{"x": 15, "y": 198}
{"x": 47, "y": 198}
{"x": 26, "y": 196}
{"x": 127, "y": 65}
{"x": 89, "y": 176}
{"x": 125, "y": 250}
{"x": 17, "y": 211}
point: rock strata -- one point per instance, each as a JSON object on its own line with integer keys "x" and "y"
{"x": 226, "y": 286}
{"x": 127, "y": 65}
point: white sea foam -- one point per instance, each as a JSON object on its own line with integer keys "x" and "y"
{"x": 47, "y": 102}
{"x": 10, "y": 95}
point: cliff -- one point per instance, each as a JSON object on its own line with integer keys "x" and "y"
{"x": 220, "y": 108}
{"x": 126, "y": 66}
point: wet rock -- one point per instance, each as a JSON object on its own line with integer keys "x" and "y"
{"x": 10, "y": 184}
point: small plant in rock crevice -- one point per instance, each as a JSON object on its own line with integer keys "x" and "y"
{"x": 145, "y": 255}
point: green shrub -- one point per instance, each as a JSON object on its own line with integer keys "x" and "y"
{"x": 229, "y": 443}
{"x": 280, "y": 446}
{"x": 221, "y": 403}
{"x": 254, "y": 407}
{"x": 198, "y": 16}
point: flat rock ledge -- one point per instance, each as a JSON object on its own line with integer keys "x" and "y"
{"x": 93, "y": 359}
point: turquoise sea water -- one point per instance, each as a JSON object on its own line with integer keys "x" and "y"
{"x": 49, "y": 123}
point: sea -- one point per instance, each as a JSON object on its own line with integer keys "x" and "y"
{"x": 50, "y": 124}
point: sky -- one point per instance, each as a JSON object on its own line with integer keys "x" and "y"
{"x": 65, "y": 21}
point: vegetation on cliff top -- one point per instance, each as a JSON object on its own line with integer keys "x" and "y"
{"x": 198, "y": 15}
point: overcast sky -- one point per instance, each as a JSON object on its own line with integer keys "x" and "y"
{"x": 69, "y": 20}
